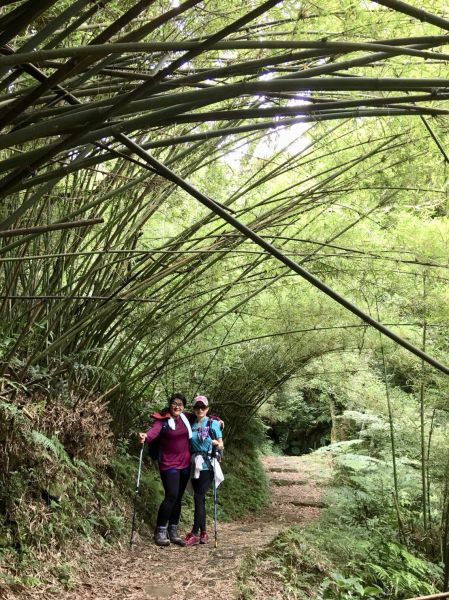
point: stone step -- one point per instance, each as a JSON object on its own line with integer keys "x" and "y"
{"x": 309, "y": 502}
{"x": 282, "y": 470}
{"x": 285, "y": 482}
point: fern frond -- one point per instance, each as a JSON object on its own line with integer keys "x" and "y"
{"x": 12, "y": 409}
{"x": 52, "y": 444}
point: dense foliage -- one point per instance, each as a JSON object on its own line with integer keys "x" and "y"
{"x": 323, "y": 128}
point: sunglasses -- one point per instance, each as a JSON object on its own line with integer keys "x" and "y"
{"x": 200, "y": 406}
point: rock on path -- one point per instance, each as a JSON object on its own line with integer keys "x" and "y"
{"x": 151, "y": 573}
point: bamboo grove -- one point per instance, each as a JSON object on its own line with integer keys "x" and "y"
{"x": 118, "y": 284}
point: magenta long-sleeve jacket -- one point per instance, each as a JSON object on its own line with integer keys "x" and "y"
{"x": 174, "y": 443}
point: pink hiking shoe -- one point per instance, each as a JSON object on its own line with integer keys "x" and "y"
{"x": 204, "y": 538}
{"x": 191, "y": 539}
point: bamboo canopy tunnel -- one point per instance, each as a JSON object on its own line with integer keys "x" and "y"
{"x": 117, "y": 119}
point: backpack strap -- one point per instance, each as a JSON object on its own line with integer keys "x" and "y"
{"x": 164, "y": 426}
{"x": 213, "y": 436}
{"x": 212, "y": 433}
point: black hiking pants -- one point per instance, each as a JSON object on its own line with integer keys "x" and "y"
{"x": 200, "y": 487}
{"x": 174, "y": 482}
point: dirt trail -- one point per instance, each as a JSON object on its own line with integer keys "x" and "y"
{"x": 152, "y": 573}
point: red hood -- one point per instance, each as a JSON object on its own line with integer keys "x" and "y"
{"x": 161, "y": 415}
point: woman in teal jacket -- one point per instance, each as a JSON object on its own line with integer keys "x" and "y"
{"x": 206, "y": 434}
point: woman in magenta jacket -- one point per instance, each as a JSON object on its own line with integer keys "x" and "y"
{"x": 174, "y": 431}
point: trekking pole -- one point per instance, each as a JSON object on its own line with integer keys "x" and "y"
{"x": 215, "y": 514}
{"x": 136, "y": 493}
{"x": 215, "y": 458}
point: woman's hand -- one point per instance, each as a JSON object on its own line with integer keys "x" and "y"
{"x": 215, "y": 443}
{"x": 142, "y": 437}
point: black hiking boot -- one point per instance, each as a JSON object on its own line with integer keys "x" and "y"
{"x": 160, "y": 536}
{"x": 174, "y": 536}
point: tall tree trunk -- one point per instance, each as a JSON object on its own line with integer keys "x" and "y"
{"x": 392, "y": 437}
{"x": 424, "y": 465}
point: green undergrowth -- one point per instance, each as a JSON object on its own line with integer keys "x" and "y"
{"x": 123, "y": 471}
{"x": 63, "y": 486}
{"x": 245, "y": 489}
{"x": 353, "y": 550}
{"x": 42, "y": 528}
{"x": 55, "y": 493}
{"x": 324, "y": 562}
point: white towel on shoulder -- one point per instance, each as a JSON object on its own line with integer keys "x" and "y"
{"x": 172, "y": 425}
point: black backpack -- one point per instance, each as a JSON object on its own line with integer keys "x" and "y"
{"x": 154, "y": 447}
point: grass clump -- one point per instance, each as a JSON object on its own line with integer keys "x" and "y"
{"x": 290, "y": 566}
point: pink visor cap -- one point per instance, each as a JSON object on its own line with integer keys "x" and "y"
{"x": 200, "y": 400}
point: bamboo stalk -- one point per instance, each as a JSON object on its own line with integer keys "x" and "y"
{"x": 72, "y": 297}
{"x": 52, "y": 25}
{"x": 18, "y": 19}
{"x": 431, "y": 597}
{"x": 181, "y": 102}
{"x": 328, "y": 111}
{"x": 436, "y": 140}
{"x": 95, "y": 160}
{"x": 444, "y": 527}
{"x": 53, "y": 227}
{"x": 424, "y": 465}
{"x": 132, "y": 254}
{"x": 247, "y": 297}
{"x": 145, "y": 88}
{"x": 392, "y": 437}
{"x": 417, "y": 13}
{"x": 95, "y": 50}
{"x": 72, "y": 65}
{"x": 114, "y": 130}
{"x": 141, "y": 33}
